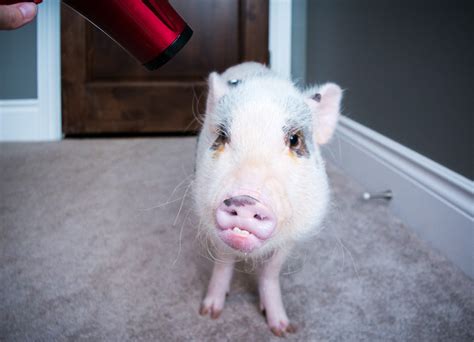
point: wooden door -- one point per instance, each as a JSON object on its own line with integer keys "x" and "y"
{"x": 105, "y": 91}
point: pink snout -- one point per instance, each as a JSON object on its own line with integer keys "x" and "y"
{"x": 244, "y": 222}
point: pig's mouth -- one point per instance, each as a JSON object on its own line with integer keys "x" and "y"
{"x": 240, "y": 239}
{"x": 244, "y": 223}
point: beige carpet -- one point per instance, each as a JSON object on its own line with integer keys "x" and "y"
{"x": 81, "y": 258}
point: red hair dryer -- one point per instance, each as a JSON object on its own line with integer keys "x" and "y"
{"x": 150, "y": 30}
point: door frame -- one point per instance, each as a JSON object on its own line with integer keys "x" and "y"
{"x": 48, "y": 105}
{"x": 49, "y": 69}
{"x": 280, "y": 36}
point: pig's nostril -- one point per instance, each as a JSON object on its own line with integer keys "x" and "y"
{"x": 233, "y": 213}
{"x": 258, "y": 217}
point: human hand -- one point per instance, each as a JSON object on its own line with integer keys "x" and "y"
{"x": 17, "y": 15}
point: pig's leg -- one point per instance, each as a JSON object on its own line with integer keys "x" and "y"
{"x": 218, "y": 287}
{"x": 270, "y": 294}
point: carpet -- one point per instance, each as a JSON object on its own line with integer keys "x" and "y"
{"x": 97, "y": 245}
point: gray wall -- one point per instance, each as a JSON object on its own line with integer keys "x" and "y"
{"x": 407, "y": 67}
{"x": 18, "y": 63}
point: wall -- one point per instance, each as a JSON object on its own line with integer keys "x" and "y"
{"x": 407, "y": 68}
{"x": 18, "y": 63}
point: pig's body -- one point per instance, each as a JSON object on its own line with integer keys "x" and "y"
{"x": 260, "y": 181}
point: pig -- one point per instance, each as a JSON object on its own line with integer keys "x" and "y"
{"x": 260, "y": 183}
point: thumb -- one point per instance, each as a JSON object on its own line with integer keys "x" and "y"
{"x": 17, "y": 15}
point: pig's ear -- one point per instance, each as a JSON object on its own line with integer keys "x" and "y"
{"x": 324, "y": 102}
{"x": 217, "y": 88}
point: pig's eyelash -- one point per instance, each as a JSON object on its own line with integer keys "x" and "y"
{"x": 221, "y": 139}
{"x": 222, "y": 133}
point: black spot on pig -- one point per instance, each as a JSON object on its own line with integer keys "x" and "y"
{"x": 317, "y": 97}
{"x": 240, "y": 201}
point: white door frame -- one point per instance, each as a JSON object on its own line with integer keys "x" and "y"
{"x": 49, "y": 69}
{"x": 280, "y": 36}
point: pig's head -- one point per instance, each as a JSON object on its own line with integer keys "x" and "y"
{"x": 260, "y": 179}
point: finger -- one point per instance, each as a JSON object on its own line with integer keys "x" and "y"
{"x": 17, "y": 15}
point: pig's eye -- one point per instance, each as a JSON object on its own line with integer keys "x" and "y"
{"x": 294, "y": 141}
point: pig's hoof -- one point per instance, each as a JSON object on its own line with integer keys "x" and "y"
{"x": 210, "y": 307}
{"x": 214, "y": 313}
{"x": 282, "y": 329}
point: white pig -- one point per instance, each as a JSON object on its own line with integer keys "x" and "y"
{"x": 260, "y": 183}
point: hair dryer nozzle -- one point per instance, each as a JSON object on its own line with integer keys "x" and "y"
{"x": 172, "y": 50}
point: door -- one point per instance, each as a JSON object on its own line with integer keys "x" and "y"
{"x": 105, "y": 91}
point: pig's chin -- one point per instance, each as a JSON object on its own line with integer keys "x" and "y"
{"x": 239, "y": 240}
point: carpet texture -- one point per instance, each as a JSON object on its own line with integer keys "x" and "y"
{"x": 85, "y": 256}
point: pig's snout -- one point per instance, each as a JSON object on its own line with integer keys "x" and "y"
{"x": 244, "y": 222}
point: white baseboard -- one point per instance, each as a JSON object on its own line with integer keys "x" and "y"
{"x": 20, "y": 120}
{"x": 437, "y": 203}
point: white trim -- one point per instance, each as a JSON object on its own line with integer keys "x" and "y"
{"x": 453, "y": 188}
{"x": 49, "y": 69}
{"x": 19, "y": 120}
{"x": 280, "y": 36}
{"x": 434, "y": 201}
{"x": 39, "y": 119}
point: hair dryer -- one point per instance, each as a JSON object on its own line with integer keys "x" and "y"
{"x": 150, "y": 30}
